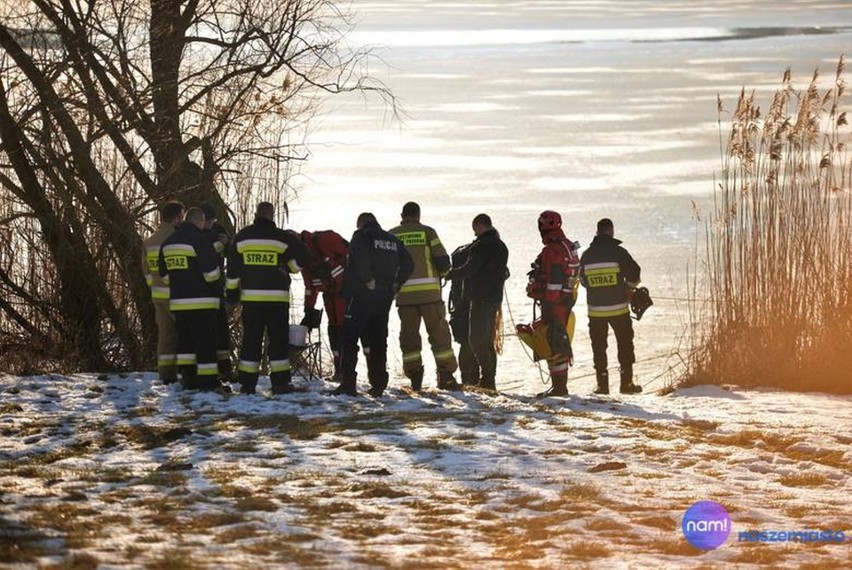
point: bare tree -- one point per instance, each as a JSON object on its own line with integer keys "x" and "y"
{"x": 108, "y": 109}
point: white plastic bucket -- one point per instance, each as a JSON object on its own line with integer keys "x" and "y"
{"x": 298, "y": 335}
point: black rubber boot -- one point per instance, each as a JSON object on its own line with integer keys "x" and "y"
{"x": 446, "y": 381}
{"x": 416, "y": 378}
{"x": 559, "y": 387}
{"x": 487, "y": 383}
{"x": 603, "y": 382}
{"x": 627, "y": 385}
{"x": 469, "y": 377}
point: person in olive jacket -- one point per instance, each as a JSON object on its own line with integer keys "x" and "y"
{"x": 483, "y": 275}
{"x": 378, "y": 266}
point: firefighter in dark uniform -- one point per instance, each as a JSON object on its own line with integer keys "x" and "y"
{"x": 324, "y": 274}
{"x": 610, "y": 275}
{"x": 484, "y": 273}
{"x": 378, "y": 265}
{"x": 218, "y": 236}
{"x": 260, "y": 261}
{"x": 553, "y": 283}
{"x": 191, "y": 267}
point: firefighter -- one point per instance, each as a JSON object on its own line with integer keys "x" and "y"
{"x": 324, "y": 274}
{"x": 191, "y": 267}
{"x": 610, "y": 275}
{"x": 218, "y": 236}
{"x": 260, "y": 261}
{"x": 483, "y": 274}
{"x": 171, "y": 215}
{"x": 420, "y": 299}
{"x": 553, "y": 284}
{"x": 378, "y": 265}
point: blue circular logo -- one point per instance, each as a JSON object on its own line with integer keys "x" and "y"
{"x": 706, "y": 525}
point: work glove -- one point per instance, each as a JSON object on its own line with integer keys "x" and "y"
{"x": 312, "y": 318}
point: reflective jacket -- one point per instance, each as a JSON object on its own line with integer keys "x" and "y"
{"x": 326, "y": 267}
{"x": 260, "y": 261}
{"x": 151, "y": 263}
{"x": 190, "y": 267}
{"x": 607, "y": 271}
{"x": 376, "y": 255}
{"x": 431, "y": 262}
{"x": 554, "y": 274}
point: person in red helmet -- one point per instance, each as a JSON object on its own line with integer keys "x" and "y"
{"x": 324, "y": 274}
{"x": 553, "y": 284}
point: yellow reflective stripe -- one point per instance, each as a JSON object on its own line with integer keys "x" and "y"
{"x": 211, "y": 276}
{"x": 435, "y": 242}
{"x": 159, "y": 292}
{"x": 444, "y": 354}
{"x": 218, "y": 246}
{"x": 293, "y": 266}
{"x": 166, "y": 279}
{"x": 185, "y": 359}
{"x": 279, "y": 365}
{"x": 266, "y": 295}
{"x": 261, "y": 245}
{"x": 194, "y": 303}
{"x": 430, "y": 269}
{"x": 600, "y": 265}
{"x": 609, "y": 310}
{"x": 633, "y": 285}
{"x": 603, "y": 271}
{"x": 210, "y": 369}
{"x": 149, "y": 279}
{"x": 425, "y": 287}
{"x": 248, "y": 366}
{"x": 410, "y": 356}
{"x": 166, "y": 359}
{"x": 179, "y": 249}
{"x": 232, "y": 283}
{"x": 222, "y": 354}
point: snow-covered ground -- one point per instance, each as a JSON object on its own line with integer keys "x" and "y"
{"x": 125, "y": 471}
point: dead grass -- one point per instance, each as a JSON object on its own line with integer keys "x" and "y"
{"x": 602, "y": 524}
{"x": 377, "y": 490}
{"x": 586, "y": 551}
{"x": 151, "y": 437}
{"x": 671, "y": 547}
{"x": 255, "y": 504}
{"x": 803, "y": 480}
{"x": 661, "y": 522}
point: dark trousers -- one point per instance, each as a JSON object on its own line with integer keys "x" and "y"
{"x": 196, "y": 348}
{"x": 366, "y": 315}
{"x": 622, "y": 326}
{"x": 483, "y": 315}
{"x": 274, "y": 320}
{"x": 460, "y": 325}
{"x": 223, "y": 335}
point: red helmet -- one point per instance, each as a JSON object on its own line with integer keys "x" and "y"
{"x": 549, "y": 220}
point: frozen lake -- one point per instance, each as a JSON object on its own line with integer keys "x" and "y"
{"x": 594, "y": 109}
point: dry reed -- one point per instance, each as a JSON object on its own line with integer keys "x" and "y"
{"x": 779, "y": 246}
